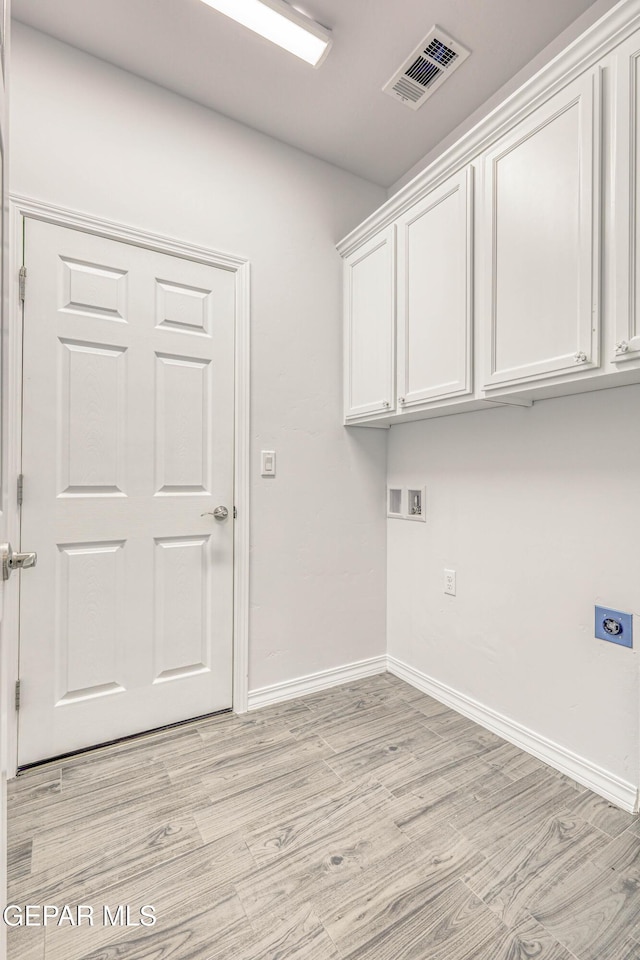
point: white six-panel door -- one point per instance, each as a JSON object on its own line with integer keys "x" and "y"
{"x": 7, "y": 662}
{"x": 126, "y": 622}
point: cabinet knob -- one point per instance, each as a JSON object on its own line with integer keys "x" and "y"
{"x": 580, "y": 357}
{"x": 622, "y": 346}
{"x": 401, "y": 400}
{"x": 385, "y": 403}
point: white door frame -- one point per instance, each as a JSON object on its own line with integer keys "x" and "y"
{"x": 21, "y": 207}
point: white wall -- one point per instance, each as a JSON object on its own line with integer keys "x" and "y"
{"x": 537, "y": 511}
{"x": 94, "y": 138}
{"x": 520, "y": 502}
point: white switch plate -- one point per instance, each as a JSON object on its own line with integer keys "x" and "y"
{"x": 268, "y": 463}
{"x": 450, "y": 582}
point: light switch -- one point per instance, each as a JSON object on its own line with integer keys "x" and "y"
{"x": 268, "y": 463}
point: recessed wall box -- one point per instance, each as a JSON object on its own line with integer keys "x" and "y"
{"x": 416, "y": 504}
{"x": 394, "y": 502}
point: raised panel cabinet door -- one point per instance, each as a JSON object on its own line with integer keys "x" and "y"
{"x": 626, "y": 345}
{"x": 435, "y": 295}
{"x": 540, "y": 242}
{"x": 369, "y": 349}
{"x": 126, "y": 621}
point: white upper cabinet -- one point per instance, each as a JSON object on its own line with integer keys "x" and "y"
{"x": 539, "y": 237}
{"x": 369, "y": 308}
{"x": 625, "y": 344}
{"x": 503, "y": 245}
{"x": 434, "y": 295}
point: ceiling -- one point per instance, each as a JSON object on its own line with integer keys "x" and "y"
{"x": 337, "y": 112}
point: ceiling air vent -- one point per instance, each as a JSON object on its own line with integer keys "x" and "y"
{"x": 429, "y": 65}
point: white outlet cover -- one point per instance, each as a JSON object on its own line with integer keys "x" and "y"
{"x": 450, "y": 582}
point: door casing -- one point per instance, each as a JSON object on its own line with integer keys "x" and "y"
{"x": 25, "y": 207}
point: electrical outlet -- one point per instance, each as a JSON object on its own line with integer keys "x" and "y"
{"x": 614, "y": 626}
{"x": 450, "y": 582}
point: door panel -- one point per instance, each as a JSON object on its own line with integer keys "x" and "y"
{"x": 540, "y": 239}
{"x": 370, "y": 327}
{"x": 126, "y": 623}
{"x": 626, "y": 343}
{"x": 434, "y": 295}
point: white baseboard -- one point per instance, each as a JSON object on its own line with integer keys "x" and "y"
{"x": 314, "y": 682}
{"x": 602, "y": 782}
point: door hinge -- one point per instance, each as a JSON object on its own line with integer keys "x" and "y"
{"x": 22, "y": 282}
{"x": 235, "y": 513}
{"x": 17, "y": 694}
{"x": 20, "y": 490}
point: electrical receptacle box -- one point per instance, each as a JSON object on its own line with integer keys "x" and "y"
{"x": 614, "y": 626}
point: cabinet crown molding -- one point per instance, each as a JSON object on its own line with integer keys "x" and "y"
{"x": 592, "y": 46}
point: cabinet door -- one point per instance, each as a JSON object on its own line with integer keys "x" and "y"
{"x": 370, "y": 327}
{"x": 626, "y": 345}
{"x": 540, "y": 237}
{"x": 434, "y": 295}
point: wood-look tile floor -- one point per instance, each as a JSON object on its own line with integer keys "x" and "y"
{"x": 367, "y": 822}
